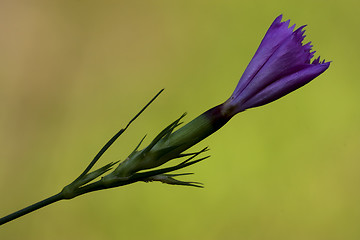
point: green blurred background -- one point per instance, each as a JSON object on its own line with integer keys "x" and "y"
{"x": 73, "y": 72}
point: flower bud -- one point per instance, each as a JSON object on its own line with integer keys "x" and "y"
{"x": 281, "y": 65}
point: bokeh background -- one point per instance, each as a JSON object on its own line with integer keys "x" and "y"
{"x": 73, "y": 72}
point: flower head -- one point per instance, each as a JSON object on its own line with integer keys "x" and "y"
{"x": 281, "y": 65}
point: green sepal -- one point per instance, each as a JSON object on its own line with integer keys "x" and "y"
{"x": 164, "y": 134}
{"x": 95, "y": 174}
{"x": 168, "y": 179}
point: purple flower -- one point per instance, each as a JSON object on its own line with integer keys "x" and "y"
{"x": 281, "y": 65}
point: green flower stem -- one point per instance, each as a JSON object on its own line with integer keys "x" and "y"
{"x": 98, "y": 185}
{"x": 31, "y": 208}
{"x": 74, "y": 189}
{"x": 69, "y": 193}
{"x": 61, "y": 196}
{"x": 166, "y": 146}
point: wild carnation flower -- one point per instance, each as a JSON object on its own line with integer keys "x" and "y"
{"x": 281, "y": 65}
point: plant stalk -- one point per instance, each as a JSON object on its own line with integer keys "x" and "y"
{"x": 31, "y": 208}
